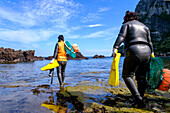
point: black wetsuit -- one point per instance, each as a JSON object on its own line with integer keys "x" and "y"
{"x": 61, "y": 71}
{"x": 138, "y": 48}
{"x": 60, "y": 68}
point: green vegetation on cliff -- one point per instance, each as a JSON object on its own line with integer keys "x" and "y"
{"x": 162, "y": 45}
{"x": 156, "y": 15}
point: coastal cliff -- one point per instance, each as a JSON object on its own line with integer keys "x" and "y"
{"x": 156, "y": 15}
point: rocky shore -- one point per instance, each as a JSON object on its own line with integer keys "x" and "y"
{"x": 98, "y": 97}
{"x": 8, "y": 55}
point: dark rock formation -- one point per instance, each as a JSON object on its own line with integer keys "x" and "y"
{"x": 98, "y": 56}
{"x": 83, "y": 95}
{"x": 36, "y": 58}
{"x": 156, "y": 15}
{"x": 79, "y": 56}
{"x": 8, "y": 55}
{"x": 48, "y": 58}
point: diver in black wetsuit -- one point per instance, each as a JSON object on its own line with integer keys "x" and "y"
{"x": 60, "y": 55}
{"x": 138, "y": 48}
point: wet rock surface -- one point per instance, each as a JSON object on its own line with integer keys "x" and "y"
{"x": 98, "y": 97}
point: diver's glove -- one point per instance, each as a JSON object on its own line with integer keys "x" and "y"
{"x": 52, "y": 61}
{"x": 152, "y": 55}
{"x": 114, "y": 51}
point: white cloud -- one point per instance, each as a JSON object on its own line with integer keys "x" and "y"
{"x": 96, "y": 34}
{"x": 25, "y": 36}
{"x": 95, "y": 25}
{"x": 56, "y": 11}
{"x": 91, "y": 17}
{"x": 50, "y": 43}
{"x": 39, "y": 12}
{"x": 103, "y": 9}
{"x": 16, "y": 17}
{"x": 38, "y": 20}
{"x": 73, "y": 36}
{"x": 35, "y": 46}
{"x": 76, "y": 28}
{"x": 105, "y": 33}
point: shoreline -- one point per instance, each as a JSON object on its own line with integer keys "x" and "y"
{"x": 100, "y": 97}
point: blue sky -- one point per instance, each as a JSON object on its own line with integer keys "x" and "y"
{"x": 36, "y": 24}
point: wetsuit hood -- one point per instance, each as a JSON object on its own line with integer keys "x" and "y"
{"x": 60, "y": 37}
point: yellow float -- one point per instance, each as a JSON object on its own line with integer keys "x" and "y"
{"x": 50, "y": 66}
{"x": 114, "y": 73}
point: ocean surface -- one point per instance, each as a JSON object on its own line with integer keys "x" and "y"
{"x": 18, "y": 82}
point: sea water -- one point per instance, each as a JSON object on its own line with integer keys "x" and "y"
{"x": 22, "y": 85}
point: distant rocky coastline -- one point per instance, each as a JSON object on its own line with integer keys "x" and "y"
{"x": 98, "y": 56}
{"x": 48, "y": 58}
{"x": 79, "y": 56}
{"x": 8, "y": 55}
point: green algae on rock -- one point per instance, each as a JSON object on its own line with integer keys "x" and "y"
{"x": 94, "y": 97}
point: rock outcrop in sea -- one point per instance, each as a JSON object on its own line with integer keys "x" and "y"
{"x": 48, "y": 58}
{"x": 8, "y": 55}
{"x": 98, "y": 56}
{"x": 79, "y": 56}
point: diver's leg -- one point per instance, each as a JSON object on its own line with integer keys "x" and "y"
{"x": 142, "y": 85}
{"x": 135, "y": 93}
{"x": 59, "y": 73}
{"x": 141, "y": 77}
{"x": 51, "y": 72}
{"x": 129, "y": 68}
{"x": 63, "y": 70}
{"x": 130, "y": 83}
